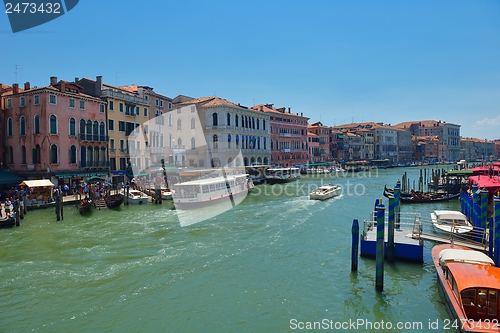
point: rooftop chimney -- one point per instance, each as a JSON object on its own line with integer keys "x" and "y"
{"x": 26, "y": 86}
{"x": 98, "y": 88}
{"x": 53, "y": 80}
{"x": 15, "y": 88}
{"x": 289, "y": 110}
{"x": 261, "y": 108}
{"x": 76, "y": 80}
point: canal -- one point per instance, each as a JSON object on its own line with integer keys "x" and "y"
{"x": 277, "y": 262}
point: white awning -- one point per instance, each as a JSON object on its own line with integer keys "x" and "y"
{"x": 37, "y": 183}
{"x": 467, "y": 256}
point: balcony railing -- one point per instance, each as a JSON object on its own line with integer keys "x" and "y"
{"x": 94, "y": 164}
{"x": 93, "y": 137}
{"x": 125, "y": 97}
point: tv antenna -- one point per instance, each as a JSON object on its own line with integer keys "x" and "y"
{"x": 18, "y": 68}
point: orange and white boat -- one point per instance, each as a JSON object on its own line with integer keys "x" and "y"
{"x": 471, "y": 287}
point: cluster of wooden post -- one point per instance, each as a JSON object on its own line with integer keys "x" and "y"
{"x": 379, "y": 217}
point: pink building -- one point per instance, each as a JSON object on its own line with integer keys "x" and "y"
{"x": 288, "y": 135}
{"x": 55, "y": 132}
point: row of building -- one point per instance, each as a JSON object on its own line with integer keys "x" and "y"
{"x": 71, "y": 129}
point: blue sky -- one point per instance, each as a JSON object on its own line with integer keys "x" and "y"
{"x": 334, "y": 61}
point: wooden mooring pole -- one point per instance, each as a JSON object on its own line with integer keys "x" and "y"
{"x": 355, "y": 245}
{"x": 379, "y": 271}
{"x": 496, "y": 218}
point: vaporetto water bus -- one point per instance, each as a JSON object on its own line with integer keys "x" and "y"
{"x": 209, "y": 191}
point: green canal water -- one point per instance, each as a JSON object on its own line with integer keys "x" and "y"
{"x": 277, "y": 262}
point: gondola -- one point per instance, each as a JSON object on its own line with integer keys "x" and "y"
{"x": 390, "y": 192}
{"x": 429, "y": 197}
{"x": 85, "y": 206}
{"x": 114, "y": 200}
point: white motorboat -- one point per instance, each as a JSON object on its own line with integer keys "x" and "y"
{"x": 325, "y": 192}
{"x": 166, "y": 194}
{"x": 136, "y": 197}
{"x": 450, "y": 221}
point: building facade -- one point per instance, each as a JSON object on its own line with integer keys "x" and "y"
{"x": 288, "y": 135}
{"x": 55, "y": 132}
{"x": 323, "y": 152}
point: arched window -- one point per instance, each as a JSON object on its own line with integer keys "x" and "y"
{"x": 229, "y": 141}
{"x": 215, "y": 119}
{"x": 9, "y": 126}
{"x": 53, "y": 154}
{"x": 179, "y": 124}
{"x": 35, "y": 156}
{"x": 236, "y": 120}
{"x": 83, "y": 156}
{"x": 258, "y": 123}
{"x": 36, "y": 127}
{"x": 264, "y": 125}
{"x": 72, "y": 155}
{"x": 265, "y": 143}
{"x": 193, "y": 123}
{"x": 72, "y": 126}
{"x": 53, "y": 124}
{"x": 23, "y": 155}
{"x": 90, "y": 156}
{"x": 179, "y": 143}
{"x": 22, "y": 126}
{"x": 170, "y": 119}
{"x": 170, "y": 141}
{"x": 82, "y": 128}
{"x": 95, "y": 131}
{"x": 102, "y": 132}
{"x": 11, "y": 155}
{"x": 88, "y": 130}
{"x": 215, "y": 140}
{"x": 242, "y": 121}
{"x": 193, "y": 143}
{"x": 228, "y": 119}
{"x": 237, "y": 141}
{"x": 253, "y": 123}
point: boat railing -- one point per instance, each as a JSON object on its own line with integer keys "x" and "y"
{"x": 403, "y": 221}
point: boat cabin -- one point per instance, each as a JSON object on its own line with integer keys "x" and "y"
{"x": 474, "y": 282}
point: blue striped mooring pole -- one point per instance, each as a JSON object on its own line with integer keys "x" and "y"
{"x": 379, "y": 273}
{"x": 355, "y": 245}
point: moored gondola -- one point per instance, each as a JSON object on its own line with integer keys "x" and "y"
{"x": 114, "y": 200}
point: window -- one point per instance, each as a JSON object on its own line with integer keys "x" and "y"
{"x": 11, "y": 155}
{"x": 137, "y": 110}
{"x": 82, "y": 105}
{"x": 53, "y": 154}
{"x": 236, "y": 120}
{"x": 122, "y": 145}
{"x": 145, "y": 129}
{"x": 9, "y": 103}
{"x": 9, "y": 127}
{"x": 179, "y": 143}
{"x": 71, "y": 103}
{"x": 36, "y": 100}
{"x": 161, "y": 103}
{"x": 193, "y": 123}
{"x": 52, "y": 99}
{"x": 22, "y": 101}
{"x": 36, "y": 127}
{"x": 111, "y": 105}
{"x": 228, "y": 119}
{"x": 23, "y": 155}
{"x": 170, "y": 120}
{"x": 101, "y": 108}
{"x": 170, "y": 106}
{"x": 112, "y": 144}
{"x": 111, "y": 125}
{"x": 82, "y": 126}
{"x": 215, "y": 119}
{"x": 157, "y": 102}
{"x": 193, "y": 143}
{"x": 72, "y": 126}
{"x": 72, "y": 155}
{"x": 121, "y": 126}
{"x": 22, "y": 126}
{"x": 145, "y": 112}
{"x": 36, "y": 154}
{"x": 102, "y": 131}
{"x": 179, "y": 123}
{"x": 229, "y": 141}
{"x": 121, "y": 107}
{"x": 215, "y": 140}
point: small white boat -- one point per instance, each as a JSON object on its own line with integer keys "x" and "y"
{"x": 325, "y": 192}
{"x": 450, "y": 221}
{"x": 136, "y": 197}
{"x": 166, "y": 194}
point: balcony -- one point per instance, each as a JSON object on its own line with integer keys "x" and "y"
{"x": 93, "y": 137}
{"x": 125, "y": 97}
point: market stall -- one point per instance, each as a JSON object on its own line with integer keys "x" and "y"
{"x": 40, "y": 193}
